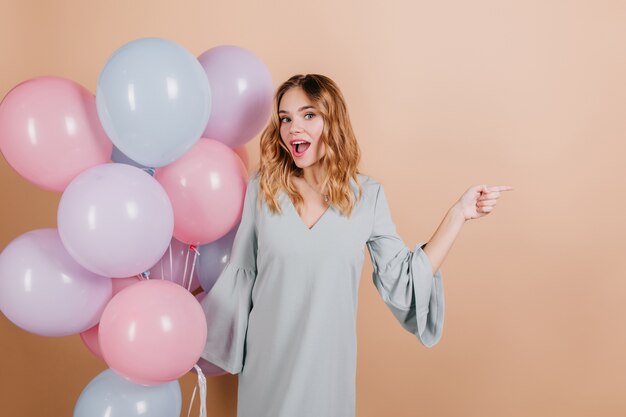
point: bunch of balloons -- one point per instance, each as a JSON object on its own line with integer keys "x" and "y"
{"x": 153, "y": 173}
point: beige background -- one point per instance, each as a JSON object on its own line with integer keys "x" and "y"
{"x": 443, "y": 95}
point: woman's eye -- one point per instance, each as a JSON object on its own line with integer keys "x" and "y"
{"x": 284, "y": 120}
{"x": 309, "y": 115}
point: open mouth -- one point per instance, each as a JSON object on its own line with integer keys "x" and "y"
{"x": 299, "y": 147}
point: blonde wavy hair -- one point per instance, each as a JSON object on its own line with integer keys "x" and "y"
{"x": 340, "y": 163}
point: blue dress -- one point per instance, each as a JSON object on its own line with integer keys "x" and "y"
{"x": 283, "y": 312}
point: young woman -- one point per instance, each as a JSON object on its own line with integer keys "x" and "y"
{"x": 283, "y": 312}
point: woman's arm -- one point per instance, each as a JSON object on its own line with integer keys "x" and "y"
{"x": 476, "y": 202}
{"x": 440, "y": 243}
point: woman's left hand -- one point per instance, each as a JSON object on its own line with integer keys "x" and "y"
{"x": 479, "y": 200}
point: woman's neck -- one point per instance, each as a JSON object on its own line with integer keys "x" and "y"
{"x": 313, "y": 175}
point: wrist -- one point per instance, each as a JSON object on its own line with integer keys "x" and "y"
{"x": 456, "y": 212}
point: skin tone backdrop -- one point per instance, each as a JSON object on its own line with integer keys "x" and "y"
{"x": 443, "y": 96}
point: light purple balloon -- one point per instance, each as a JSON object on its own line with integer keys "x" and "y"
{"x": 178, "y": 267}
{"x": 241, "y": 94}
{"x": 115, "y": 220}
{"x": 44, "y": 291}
{"x": 213, "y": 258}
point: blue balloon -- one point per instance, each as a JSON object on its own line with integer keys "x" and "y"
{"x": 153, "y": 100}
{"x": 213, "y": 259}
{"x": 110, "y": 395}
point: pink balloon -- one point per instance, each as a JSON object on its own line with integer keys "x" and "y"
{"x": 91, "y": 341}
{"x": 50, "y": 131}
{"x": 241, "y": 94}
{"x": 90, "y": 337}
{"x": 152, "y": 332}
{"x": 44, "y": 291}
{"x": 115, "y": 220}
{"x": 207, "y": 187}
{"x": 178, "y": 269}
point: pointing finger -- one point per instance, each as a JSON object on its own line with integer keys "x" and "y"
{"x": 499, "y": 188}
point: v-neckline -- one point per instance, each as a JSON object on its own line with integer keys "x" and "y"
{"x": 295, "y": 210}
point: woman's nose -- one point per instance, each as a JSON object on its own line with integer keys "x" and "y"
{"x": 295, "y": 127}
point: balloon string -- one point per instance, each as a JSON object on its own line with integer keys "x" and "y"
{"x": 185, "y": 270}
{"x": 196, "y": 253}
{"x": 202, "y": 385}
{"x": 193, "y": 397}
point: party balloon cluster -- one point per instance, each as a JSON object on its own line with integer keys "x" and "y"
{"x": 153, "y": 174}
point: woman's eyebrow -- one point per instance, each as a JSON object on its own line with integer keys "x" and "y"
{"x": 300, "y": 109}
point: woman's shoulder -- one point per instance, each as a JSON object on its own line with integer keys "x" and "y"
{"x": 368, "y": 183}
{"x": 370, "y": 189}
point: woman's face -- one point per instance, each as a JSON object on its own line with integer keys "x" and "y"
{"x": 301, "y": 126}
